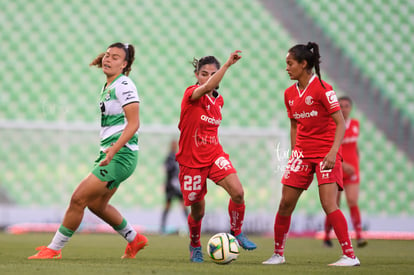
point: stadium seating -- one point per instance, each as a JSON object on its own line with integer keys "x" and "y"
{"x": 377, "y": 35}
{"x": 47, "y": 81}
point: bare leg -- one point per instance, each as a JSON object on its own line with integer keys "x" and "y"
{"x": 89, "y": 190}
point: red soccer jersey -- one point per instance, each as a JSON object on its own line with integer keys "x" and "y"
{"x": 199, "y": 144}
{"x": 312, "y": 109}
{"x": 349, "y": 143}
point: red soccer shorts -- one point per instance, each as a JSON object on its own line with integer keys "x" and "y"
{"x": 193, "y": 181}
{"x": 299, "y": 172}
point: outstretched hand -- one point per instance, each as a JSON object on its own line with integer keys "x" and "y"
{"x": 234, "y": 57}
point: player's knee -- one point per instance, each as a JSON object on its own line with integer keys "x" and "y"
{"x": 286, "y": 207}
{"x": 77, "y": 201}
{"x": 238, "y": 197}
{"x": 328, "y": 206}
{"x": 352, "y": 203}
{"x": 197, "y": 215}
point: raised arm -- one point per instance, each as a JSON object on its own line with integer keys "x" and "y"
{"x": 215, "y": 79}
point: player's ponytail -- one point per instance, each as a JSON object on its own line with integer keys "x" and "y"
{"x": 97, "y": 61}
{"x": 316, "y": 59}
{"x": 129, "y": 57}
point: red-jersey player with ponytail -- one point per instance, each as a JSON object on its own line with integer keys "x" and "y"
{"x": 316, "y": 129}
{"x": 200, "y": 153}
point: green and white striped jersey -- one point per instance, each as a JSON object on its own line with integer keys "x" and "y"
{"x": 119, "y": 93}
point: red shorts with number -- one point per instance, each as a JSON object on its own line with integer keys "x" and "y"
{"x": 193, "y": 181}
{"x": 299, "y": 172}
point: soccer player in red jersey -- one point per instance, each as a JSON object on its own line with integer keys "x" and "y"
{"x": 316, "y": 129}
{"x": 350, "y": 166}
{"x": 201, "y": 155}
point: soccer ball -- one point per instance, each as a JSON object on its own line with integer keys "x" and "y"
{"x": 223, "y": 248}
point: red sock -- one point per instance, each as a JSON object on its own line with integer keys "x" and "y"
{"x": 195, "y": 231}
{"x": 236, "y": 212}
{"x": 356, "y": 220}
{"x": 338, "y": 221}
{"x": 328, "y": 228}
{"x": 281, "y": 228}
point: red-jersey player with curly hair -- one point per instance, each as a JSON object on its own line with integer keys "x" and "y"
{"x": 201, "y": 155}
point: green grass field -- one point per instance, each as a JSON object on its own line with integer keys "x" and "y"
{"x": 100, "y": 254}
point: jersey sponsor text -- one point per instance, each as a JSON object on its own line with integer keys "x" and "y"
{"x": 304, "y": 114}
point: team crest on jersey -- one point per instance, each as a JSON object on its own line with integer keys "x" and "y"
{"x": 309, "y": 100}
{"x": 355, "y": 130}
{"x": 107, "y": 97}
{"x": 291, "y": 102}
{"x": 331, "y": 96}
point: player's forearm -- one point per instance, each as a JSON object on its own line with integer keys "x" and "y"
{"x": 127, "y": 134}
{"x": 339, "y": 131}
{"x": 211, "y": 84}
{"x": 215, "y": 80}
{"x": 339, "y": 135}
{"x": 292, "y": 138}
{"x": 293, "y": 133}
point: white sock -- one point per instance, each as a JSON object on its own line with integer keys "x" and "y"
{"x": 126, "y": 231}
{"x": 58, "y": 241}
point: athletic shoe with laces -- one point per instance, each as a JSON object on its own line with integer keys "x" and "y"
{"x": 46, "y": 253}
{"x": 361, "y": 243}
{"x": 196, "y": 256}
{"x": 245, "y": 242}
{"x": 133, "y": 247}
{"x": 275, "y": 259}
{"x": 346, "y": 261}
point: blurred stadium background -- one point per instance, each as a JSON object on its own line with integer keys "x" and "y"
{"x": 49, "y": 113}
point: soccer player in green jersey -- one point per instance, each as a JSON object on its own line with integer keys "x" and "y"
{"x": 119, "y": 104}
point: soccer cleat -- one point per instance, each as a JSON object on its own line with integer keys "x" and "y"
{"x": 327, "y": 243}
{"x": 361, "y": 243}
{"x": 346, "y": 261}
{"x": 196, "y": 256}
{"x": 46, "y": 253}
{"x": 245, "y": 242}
{"x": 133, "y": 247}
{"x": 275, "y": 259}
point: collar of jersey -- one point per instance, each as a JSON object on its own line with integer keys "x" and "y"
{"x": 304, "y": 90}
{"x": 109, "y": 86}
